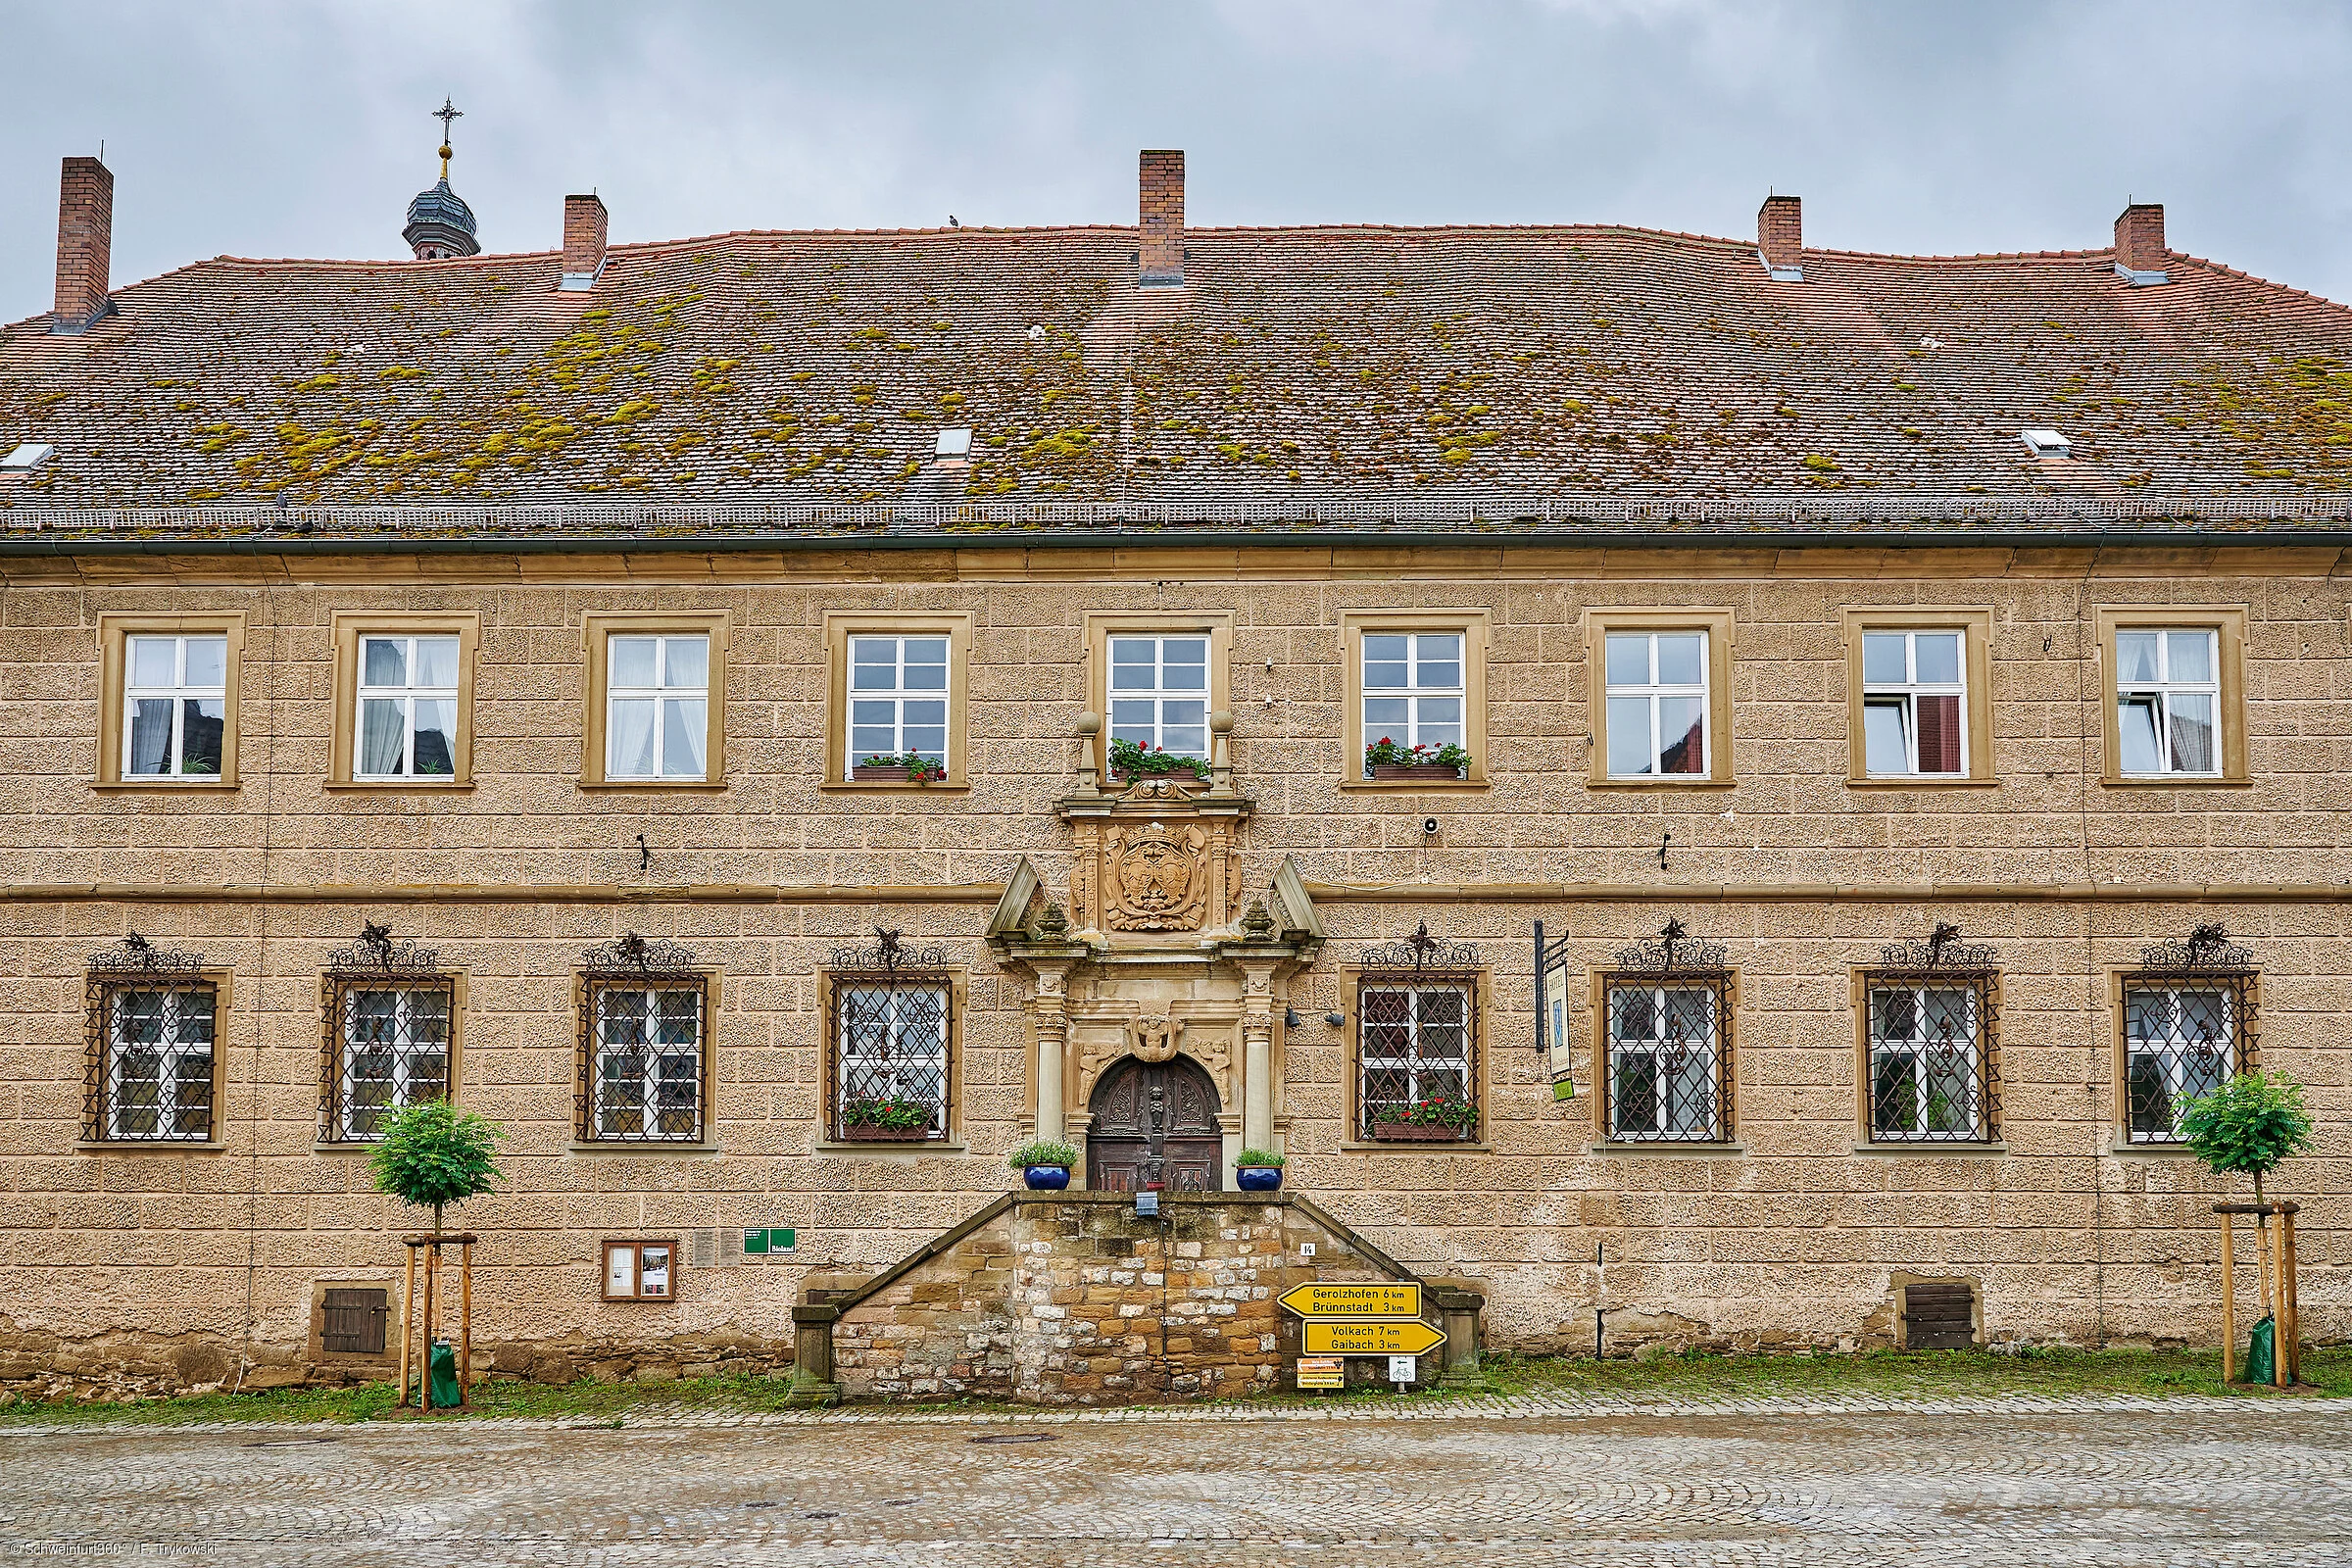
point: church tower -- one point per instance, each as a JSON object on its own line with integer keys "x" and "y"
{"x": 440, "y": 224}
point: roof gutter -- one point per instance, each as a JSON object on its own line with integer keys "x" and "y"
{"x": 1838, "y": 538}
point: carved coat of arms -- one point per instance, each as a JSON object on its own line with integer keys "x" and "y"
{"x": 1159, "y": 879}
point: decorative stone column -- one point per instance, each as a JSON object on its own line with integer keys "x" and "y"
{"x": 1257, "y": 1025}
{"x": 1053, "y": 1045}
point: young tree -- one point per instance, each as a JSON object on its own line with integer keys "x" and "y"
{"x": 434, "y": 1153}
{"x": 2249, "y": 1124}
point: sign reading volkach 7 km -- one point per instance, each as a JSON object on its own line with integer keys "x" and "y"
{"x": 1353, "y": 1300}
{"x": 1370, "y": 1339}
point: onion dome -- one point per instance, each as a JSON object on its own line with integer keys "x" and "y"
{"x": 440, "y": 224}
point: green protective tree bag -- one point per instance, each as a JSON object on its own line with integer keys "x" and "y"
{"x": 447, "y": 1394}
{"x": 2260, "y": 1368}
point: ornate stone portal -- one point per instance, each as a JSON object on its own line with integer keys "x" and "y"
{"x": 1159, "y": 954}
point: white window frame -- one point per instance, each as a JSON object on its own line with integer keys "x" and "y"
{"x": 2169, "y": 1063}
{"x": 180, "y": 693}
{"x": 1657, "y": 1044}
{"x": 1909, "y": 691}
{"x": 1415, "y": 1062}
{"x": 1655, "y": 689}
{"x": 171, "y": 1057}
{"x": 407, "y": 695}
{"x": 1414, "y": 691}
{"x": 2163, "y": 689}
{"x": 404, "y": 1012}
{"x": 902, "y": 1050}
{"x": 656, "y": 1055}
{"x": 1915, "y": 1045}
{"x": 658, "y": 694}
{"x": 898, "y": 696}
{"x": 1160, "y": 694}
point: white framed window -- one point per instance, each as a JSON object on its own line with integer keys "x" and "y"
{"x": 174, "y": 705}
{"x": 407, "y": 699}
{"x": 156, "y": 1078}
{"x": 1656, "y": 689}
{"x": 2180, "y": 1040}
{"x": 898, "y": 699}
{"x": 1667, "y": 1067}
{"x": 891, "y": 1062}
{"x": 391, "y": 1050}
{"x": 1416, "y": 1044}
{"x": 1414, "y": 690}
{"x": 1930, "y": 1062}
{"x": 657, "y": 706}
{"x": 645, "y": 1066}
{"x": 2168, "y": 700}
{"x": 1159, "y": 691}
{"x": 1915, "y": 704}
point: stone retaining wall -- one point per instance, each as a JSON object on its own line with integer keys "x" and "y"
{"x": 1074, "y": 1300}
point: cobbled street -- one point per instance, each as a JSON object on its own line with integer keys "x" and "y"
{"x": 2112, "y": 1484}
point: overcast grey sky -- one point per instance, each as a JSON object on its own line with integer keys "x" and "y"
{"x": 260, "y": 129}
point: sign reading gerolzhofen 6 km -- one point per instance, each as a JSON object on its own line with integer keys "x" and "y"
{"x": 1353, "y": 1301}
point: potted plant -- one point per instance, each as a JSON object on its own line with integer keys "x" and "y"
{"x": 1133, "y": 759}
{"x": 914, "y": 768}
{"x": 886, "y": 1119}
{"x": 1429, "y": 1121}
{"x": 1384, "y": 759}
{"x": 1258, "y": 1170}
{"x": 1044, "y": 1166}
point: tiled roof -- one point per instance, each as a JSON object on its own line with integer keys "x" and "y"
{"x": 1499, "y": 368}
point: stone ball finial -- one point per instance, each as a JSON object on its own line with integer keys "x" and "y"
{"x": 1089, "y": 724}
{"x": 1221, "y": 721}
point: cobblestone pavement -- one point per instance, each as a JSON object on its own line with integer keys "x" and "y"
{"x": 2116, "y": 1484}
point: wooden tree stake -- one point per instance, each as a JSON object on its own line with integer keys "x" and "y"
{"x": 407, "y": 1327}
{"x": 464, "y": 1321}
{"x": 2229, "y": 1306}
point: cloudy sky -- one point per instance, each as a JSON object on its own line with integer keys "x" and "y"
{"x": 259, "y": 128}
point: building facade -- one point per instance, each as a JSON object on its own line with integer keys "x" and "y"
{"x": 778, "y": 722}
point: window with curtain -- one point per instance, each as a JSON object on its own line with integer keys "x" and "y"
{"x": 1413, "y": 689}
{"x": 1159, "y": 693}
{"x": 657, "y": 706}
{"x": 2168, "y": 699}
{"x": 1656, "y": 693}
{"x": 174, "y": 705}
{"x": 898, "y": 699}
{"x": 408, "y": 701}
{"x": 1914, "y": 704}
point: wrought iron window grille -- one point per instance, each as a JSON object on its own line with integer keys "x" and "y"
{"x": 136, "y": 955}
{"x": 641, "y": 1056}
{"x": 1675, "y": 952}
{"x": 1420, "y": 953}
{"x": 2186, "y": 1032}
{"x": 1942, "y": 952}
{"x": 1417, "y": 1039}
{"x": 378, "y": 953}
{"x": 889, "y": 1037}
{"x": 386, "y": 1044}
{"x": 2205, "y": 947}
{"x": 1666, "y": 1074}
{"x": 150, "y": 1031}
{"x": 1933, "y": 1072}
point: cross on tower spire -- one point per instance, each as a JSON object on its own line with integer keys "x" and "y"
{"x": 448, "y": 112}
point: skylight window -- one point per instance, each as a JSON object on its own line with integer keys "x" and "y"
{"x": 956, "y": 443}
{"x": 27, "y": 458}
{"x": 2045, "y": 442}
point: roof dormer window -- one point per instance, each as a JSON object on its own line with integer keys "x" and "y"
{"x": 26, "y": 457}
{"x": 2045, "y": 442}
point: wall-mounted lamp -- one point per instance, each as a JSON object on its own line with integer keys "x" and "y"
{"x": 1336, "y": 1018}
{"x": 1290, "y": 1017}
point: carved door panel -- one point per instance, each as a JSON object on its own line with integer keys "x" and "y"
{"x": 1155, "y": 1122}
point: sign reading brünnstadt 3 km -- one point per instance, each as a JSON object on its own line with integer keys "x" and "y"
{"x": 1353, "y": 1301}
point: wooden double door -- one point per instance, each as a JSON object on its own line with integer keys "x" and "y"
{"x": 1155, "y": 1122}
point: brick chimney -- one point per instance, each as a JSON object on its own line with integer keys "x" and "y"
{"x": 1160, "y": 221}
{"x": 583, "y": 241}
{"x": 85, "y": 234}
{"x": 1781, "y": 237}
{"x": 2140, "y": 240}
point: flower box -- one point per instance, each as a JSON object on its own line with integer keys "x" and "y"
{"x": 884, "y": 1134}
{"x": 1119, "y": 775}
{"x": 1416, "y": 1131}
{"x": 1383, "y": 773}
{"x": 890, "y": 773}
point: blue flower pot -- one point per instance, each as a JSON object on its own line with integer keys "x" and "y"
{"x": 1045, "y": 1178}
{"x": 1258, "y": 1178}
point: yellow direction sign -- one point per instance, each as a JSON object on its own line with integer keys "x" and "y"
{"x": 1370, "y": 1339}
{"x": 1358, "y": 1300}
{"x": 1322, "y": 1372}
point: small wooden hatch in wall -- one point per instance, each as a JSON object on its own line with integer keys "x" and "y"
{"x": 1936, "y": 1315}
{"x": 355, "y": 1321}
